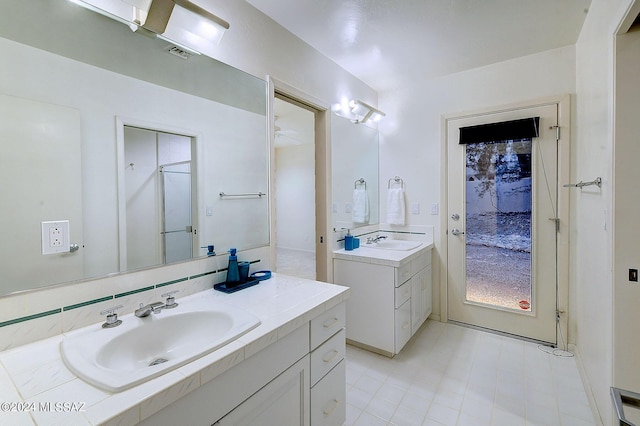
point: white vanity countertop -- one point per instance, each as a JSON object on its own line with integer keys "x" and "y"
{"x": 395, "y": 258}
{"x": 37, "y": 388}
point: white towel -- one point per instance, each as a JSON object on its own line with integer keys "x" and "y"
{"x": 395, "y": 206}
{"x": 360, "y": 209}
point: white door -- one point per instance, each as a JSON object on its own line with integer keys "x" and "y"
{"x": 502, "y": 205}
{"x": 41, "y": 163}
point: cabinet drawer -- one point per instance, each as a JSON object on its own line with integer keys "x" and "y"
{"x": 327, "y": 356}
{"x": 403, "y": 325}
{"x": 421, "y": 262}
{"x": 327, "y": 324}
{"x": 329, "y": 398}
{"x": 403, "y": 293}
{"x": 403, "y": 273}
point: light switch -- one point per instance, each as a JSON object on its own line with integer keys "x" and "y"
{"x": 415, "y": 208}
{"x": 334, "y": 207}
{"x": 347, "y": 207}
{"x": 435, "y": 209}
{"x": 55, "y": 237}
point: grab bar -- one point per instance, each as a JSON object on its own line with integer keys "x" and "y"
{"x": 620, "y": 397}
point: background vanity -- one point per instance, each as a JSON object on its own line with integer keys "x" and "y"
{"x": 391, "y": 292}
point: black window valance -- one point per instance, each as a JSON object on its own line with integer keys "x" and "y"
{"x": 503, "y": 131}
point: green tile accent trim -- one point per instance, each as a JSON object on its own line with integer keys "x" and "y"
{"x": 30, "y": 317}
{"x": 90, "y": 302}
{"x": 255, "y": 261}
{"x": 203, "y": 274}
{"x": 128, "y": 293}
{"x": 179, "y": 280}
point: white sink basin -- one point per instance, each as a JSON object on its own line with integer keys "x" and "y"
{"x": 394, "y": 245}
{"x": 140, "y": 349}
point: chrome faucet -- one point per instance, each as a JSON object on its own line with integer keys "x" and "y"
{"x": 376, "y": 239}
{"x": 146, "y": 310}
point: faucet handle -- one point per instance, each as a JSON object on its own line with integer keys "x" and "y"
{"x": 171, "y": 300}
{"x": 112, "y": 317}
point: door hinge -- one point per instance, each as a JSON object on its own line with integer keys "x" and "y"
{"x": 557, "y": 221}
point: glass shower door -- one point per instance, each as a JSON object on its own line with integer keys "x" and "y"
{"x": 177, "y": 230}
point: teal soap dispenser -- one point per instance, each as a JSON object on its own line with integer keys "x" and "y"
{"x": 233, "y": 274}
{"x": 348, "y": 241}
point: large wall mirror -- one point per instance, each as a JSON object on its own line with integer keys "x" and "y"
{"x": 354, "y": 156}
{"x": 110, "y": 131}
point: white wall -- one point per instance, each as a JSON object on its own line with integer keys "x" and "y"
{"x": 410, "y": 134}
{"x": 256, "y": 44}
{"x": 295, "y": 197}
{"x": 592, "y": 238}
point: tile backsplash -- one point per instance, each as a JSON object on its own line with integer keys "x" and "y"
{"x": 38, "y": 314}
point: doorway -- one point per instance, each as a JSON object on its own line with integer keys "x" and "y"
{"x": 159, "y": 186}
{"x": 503, "y": 220}
{"x": 294, "y": 188}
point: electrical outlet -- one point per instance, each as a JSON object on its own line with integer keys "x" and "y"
{"x": 415, "y": 208}
{"x": 347, "y": 207}
{"x": 435, "y": 209}
{"x": 55, "y": 237}
{"x": 633, "y": 275}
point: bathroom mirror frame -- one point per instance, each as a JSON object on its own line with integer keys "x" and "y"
{"x": 61, "y": 28}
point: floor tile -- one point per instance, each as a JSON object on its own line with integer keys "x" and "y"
{"x": 451, "y": 375}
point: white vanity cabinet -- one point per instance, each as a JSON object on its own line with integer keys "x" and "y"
{"x": 297, "y": 381}
{"x": 389, "y": 300}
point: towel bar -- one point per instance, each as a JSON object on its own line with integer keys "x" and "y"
{"x": 251, "y": 194}
{"x": 360, "y": 181}
{"x": 396, "y": 180}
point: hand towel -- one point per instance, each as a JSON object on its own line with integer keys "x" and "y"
{"x": 360, "y": 208}
{"x": 395, "y": 206}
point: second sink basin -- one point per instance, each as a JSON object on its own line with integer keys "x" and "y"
{"x": 394, "y": 245}
{"x": 143, "y": 348}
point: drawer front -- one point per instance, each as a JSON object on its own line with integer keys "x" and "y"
{"x": 403, "y": 325}
{"x": 421, "y": 262}
{"x": 327, "y": 324}
{"x": 329, "y": 398}
{"x": 403, "y": 273}
{"x": 403, "y": 293}
{"x": 327, "y": 356}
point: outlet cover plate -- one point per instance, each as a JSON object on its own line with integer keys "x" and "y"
{"x": 55, "y": 237}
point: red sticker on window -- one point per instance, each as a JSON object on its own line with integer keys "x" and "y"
{"x": 524, "y": 304}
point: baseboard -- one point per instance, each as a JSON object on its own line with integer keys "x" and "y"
{"x": 586, "y": 384}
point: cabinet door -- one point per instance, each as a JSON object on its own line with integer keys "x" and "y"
{"x": 420, "y": 298}
{"x": 402, "y": 326}
{"x": 282, "y": 402}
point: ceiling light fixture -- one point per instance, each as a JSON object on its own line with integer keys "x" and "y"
{"x": 177, "y": 21}
{"x": 358, "y": 111}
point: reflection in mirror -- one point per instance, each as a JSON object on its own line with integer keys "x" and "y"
{"x": 159, "y": 188}
{"x": 66, "y": 96}
{"x": 354, "y": 157}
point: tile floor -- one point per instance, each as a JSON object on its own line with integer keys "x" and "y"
{"x": 296, "y": 263}
{"x": 452, "y": 375}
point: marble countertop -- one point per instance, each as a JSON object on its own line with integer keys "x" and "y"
{"x": 37, "y": 388}
{"x": 395, "y": 258}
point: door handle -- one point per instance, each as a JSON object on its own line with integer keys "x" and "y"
{"x": 456, "y": 231}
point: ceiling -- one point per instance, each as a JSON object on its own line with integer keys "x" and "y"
{"x": 387, "y": 43}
